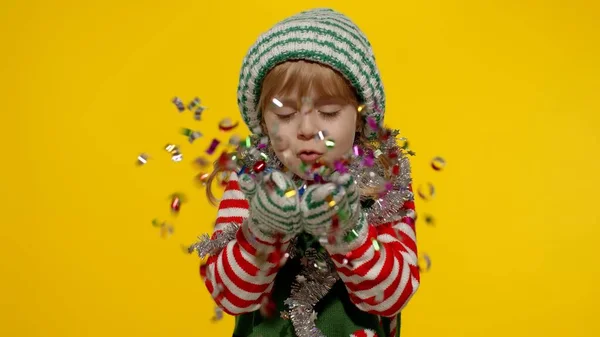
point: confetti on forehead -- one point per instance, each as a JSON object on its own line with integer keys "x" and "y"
{"x": 277, "y": 102}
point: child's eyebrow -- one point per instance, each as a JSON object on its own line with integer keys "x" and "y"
{"x": 328, "y": 100}
{"x": 284, "y": 101}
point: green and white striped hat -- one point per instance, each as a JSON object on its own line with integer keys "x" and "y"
{"x": 320, "y": 35}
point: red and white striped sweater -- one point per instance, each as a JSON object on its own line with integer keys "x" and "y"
{"x": 379, "y": 282}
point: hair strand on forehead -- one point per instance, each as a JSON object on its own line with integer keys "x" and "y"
{"x": 304, "y": 78}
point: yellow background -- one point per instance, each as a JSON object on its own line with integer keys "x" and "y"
{"x": 506, "y": 91}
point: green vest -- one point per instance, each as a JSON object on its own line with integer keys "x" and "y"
{"x": 337, "y": 315}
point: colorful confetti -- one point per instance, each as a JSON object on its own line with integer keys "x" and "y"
{"x": 179, "y": 104}
{"x": 438, "y": 163}
{"x": 218, "y": 314}
{"x": 277, "y": 102}
{"x": 424, "y": 263}
{"x": 234, "y": 140}
{"x": 176, "y": 200}
{"x": 171, "y": 148}
{"x": 142, "y": 159}
{"x": 321, "y": 135}
{"x": 429, "y": 220}
{"x": 194, "y": 103}
{"x": 213, "y": 146}
{"x": 202, "y": 162}
{"x": 177, "y": 157}
{"x": 165, "y": 229}
{"x": 198, "y": 113}
{"x": 227, "y": 125}
{"x": 426, "y": 191}
{"x": 191, "y": 134}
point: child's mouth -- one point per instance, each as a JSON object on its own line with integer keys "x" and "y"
{"x": 309, "y": 156}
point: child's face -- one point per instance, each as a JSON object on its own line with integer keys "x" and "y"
{"x": 294, "y": 130}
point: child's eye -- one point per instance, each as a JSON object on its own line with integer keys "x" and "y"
{"x": 330, "y": 114}
{"x": 285, "y": 117}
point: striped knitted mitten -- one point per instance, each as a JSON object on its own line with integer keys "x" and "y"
{"x": 332, "y": 210}
{"x": 274, "y": 206}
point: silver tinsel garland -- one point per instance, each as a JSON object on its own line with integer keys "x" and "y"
{"x": 206, "y": 246}
{"x": 314, "y": 281}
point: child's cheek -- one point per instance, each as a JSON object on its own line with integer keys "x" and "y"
{"x": 280, "y": 143}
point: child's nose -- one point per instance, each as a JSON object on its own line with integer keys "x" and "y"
{"x": 307, "y": 128}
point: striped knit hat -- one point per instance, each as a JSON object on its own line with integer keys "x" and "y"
{"x": 320, "y": 35}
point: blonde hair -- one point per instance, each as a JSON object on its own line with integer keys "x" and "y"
{"x": 303, "y": 77}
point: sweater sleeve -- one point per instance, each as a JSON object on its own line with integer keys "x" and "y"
{"x": 242, "y": 273}
{"x": 380, "y": 268}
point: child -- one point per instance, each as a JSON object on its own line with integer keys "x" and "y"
{"x": 315, "y": 231}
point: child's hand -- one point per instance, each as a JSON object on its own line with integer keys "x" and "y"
{"x": 274, "y": 204}
{"x": 331, "y": 209}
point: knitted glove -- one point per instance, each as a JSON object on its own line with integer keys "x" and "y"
{"x": 332, "y": 210}
{"x": 274, "y": 206}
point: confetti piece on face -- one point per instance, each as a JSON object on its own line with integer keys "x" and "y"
{"x": 438, "y": 163}
{"x": 321, "y": 135}
{"x": 213, "y": 146}
{"x": 330, "y": 144}
{"x": 179, "y": 104}
{"x": 142, "y": 159}
{"x": 426, "y": 191}
{"x": 424, "y": 263}
{"x": 277, "y": 102}
{"x": 227, "y": 125}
